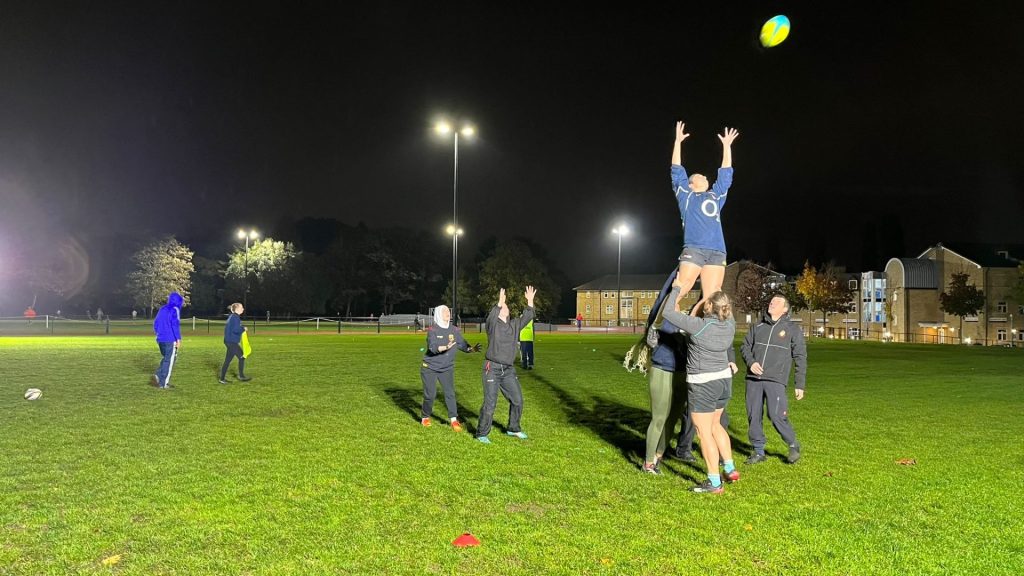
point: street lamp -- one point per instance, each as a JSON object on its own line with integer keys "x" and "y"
{"x": 619, "y": 231}
{"x": 250, "y": 235}
{"x": 444, "y": 128}
{"x": 454, "y": 233}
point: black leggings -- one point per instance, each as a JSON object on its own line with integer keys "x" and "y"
{"x": 234, "y": 350}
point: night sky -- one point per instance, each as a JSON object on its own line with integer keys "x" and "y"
{"x": 869, "y": 133}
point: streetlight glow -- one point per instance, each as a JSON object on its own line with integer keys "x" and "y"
{"x": 442, "y": 127}
{"x": 468, "y": 131}
{"x": 621, "y": 230}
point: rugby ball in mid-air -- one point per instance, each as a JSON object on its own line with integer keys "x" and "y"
{"x": 33, "y": 394}
{"x": 774, "y": 31}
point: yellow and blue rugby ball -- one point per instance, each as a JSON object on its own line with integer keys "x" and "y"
{"x": 774, "y": 31}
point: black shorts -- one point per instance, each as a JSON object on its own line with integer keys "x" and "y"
{"x": 709, "y": 396}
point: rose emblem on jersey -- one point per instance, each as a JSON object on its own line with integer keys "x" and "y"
{"x": 782, "y": 334}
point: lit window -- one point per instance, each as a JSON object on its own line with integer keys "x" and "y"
{"x": 588, "y": 309}
{"x": 609, "y": 309}
{"x": 646, "y": 309}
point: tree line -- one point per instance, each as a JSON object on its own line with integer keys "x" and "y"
{"x": 317, "y": 267}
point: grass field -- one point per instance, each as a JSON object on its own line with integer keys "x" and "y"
{"x": 319, "y": 466}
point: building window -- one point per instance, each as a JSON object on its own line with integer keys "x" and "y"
{"x": 588, "y": 309}
{"x": 1020, "y": 309}
{"x": 853, "y": 307}
{"x": 627, "y": 293}
{"x": 646, "y": 308}
{"x": 605, "y": 295}
{"x": 1020, "y": 335}
{"x": 853, "y": 284}
{"x": 609, "y": 309}
{"x": 1001, "y": 307}
{"x": 1001, "y": 335}
{"x": 588, "y": 294}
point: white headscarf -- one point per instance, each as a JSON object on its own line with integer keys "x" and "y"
{"x": 439, "y": 320}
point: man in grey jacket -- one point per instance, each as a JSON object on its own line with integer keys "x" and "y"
{"x": 769, "y": 349}
{"x": 499, "y": 368}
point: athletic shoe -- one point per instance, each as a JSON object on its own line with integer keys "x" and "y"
{"x": 520, "y": 435}
{"x": 733, "y": 476}
{"x": 456, "y": 426}
{"x": 794, "y": 454}
{"x": 755, "y": 458}
{"x": 154, "y": 381}
{"x": 651, "y": 468}
{"x": 222, "y": 381}
{"x": 685, "y": 455}
{"x": 483, "y": 439}
{"x": 705, "y": 487}
{"x": 242, "y": 379}
{"x": 425, "y": 422}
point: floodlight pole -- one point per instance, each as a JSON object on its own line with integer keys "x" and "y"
{"x": 455, "y": 235}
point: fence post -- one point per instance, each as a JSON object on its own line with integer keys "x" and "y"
{"x": 339, "y": 324}
{"x": 47, "y": 321}
{"x": 207, "y": 325}
{"x": 317, "y": 323}
{"x": 107, "y": 325}
{"x": 193, "y": 322}
{"x": 253, "y": 326}
{"x": 297, "y": 326}
{"x": 378, "y": 325}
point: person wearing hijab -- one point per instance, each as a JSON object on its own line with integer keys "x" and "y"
{"x": 439, "y": 364}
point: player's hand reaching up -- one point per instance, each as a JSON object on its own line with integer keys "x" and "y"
{"x": 501, "y": 297}
{"x": 681, "y": 132}
{"x": 531, "y": 292}
{"x": 728, "y": 135}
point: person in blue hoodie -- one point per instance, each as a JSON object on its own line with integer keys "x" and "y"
{"x": 233, "y": 330}
{"x": 167, "y": 326}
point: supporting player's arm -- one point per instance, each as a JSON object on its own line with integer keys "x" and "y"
{"x": 677, "y": 150}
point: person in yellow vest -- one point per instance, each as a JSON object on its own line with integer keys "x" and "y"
{"x": 526, "y": 345}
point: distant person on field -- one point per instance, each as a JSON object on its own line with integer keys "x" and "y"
{"x": 167, "y": 326}
{"x": 99, "y": 314}
{"x": 499, "y": 368}
{"x": 233, "y": 331}
{"x": 526, "y": 345}
{"x": 579, "y": 321}
{"x": 135, "y": 314}
{"x": 438, "y": 364}
{"x": 769, "y": 349}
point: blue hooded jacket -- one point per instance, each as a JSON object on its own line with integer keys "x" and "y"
{"x": 168, "y": 319}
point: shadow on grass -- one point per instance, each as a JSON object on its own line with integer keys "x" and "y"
{"x": 410, "y": 402}
{"x": 624, "y": 427}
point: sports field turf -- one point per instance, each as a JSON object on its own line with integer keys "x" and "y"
{"x": 319, "y": 465}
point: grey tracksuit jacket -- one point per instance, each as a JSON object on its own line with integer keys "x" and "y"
{"x": 776, "y": 345}
{"x": 709, "y": 340}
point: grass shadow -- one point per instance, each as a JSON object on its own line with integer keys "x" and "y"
{"x": 619, "y": 425}
{"x": 405, "y": 399}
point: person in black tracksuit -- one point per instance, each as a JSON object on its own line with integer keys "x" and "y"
{"x": 769, "y": 349}
{"x": 499, "y": 371}
{"x": 439, "y": 365}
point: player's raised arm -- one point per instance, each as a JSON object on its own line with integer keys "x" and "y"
{"x": 677, "y": 150}
{"x": 727, "y": 137}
